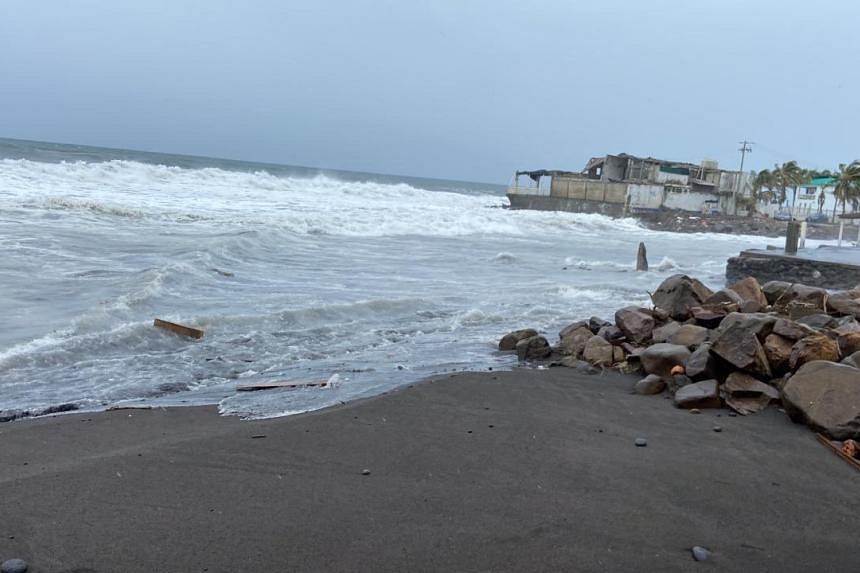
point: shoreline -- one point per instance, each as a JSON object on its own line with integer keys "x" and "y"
{"x": 521, "y": 470}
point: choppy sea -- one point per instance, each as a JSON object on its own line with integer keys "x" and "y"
{"x": 371, "y": 281}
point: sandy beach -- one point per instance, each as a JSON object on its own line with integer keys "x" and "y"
{"x": 501, "y": 471}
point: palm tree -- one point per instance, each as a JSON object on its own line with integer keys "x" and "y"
{"x": 792, "y": 176}
{"x": 763, "y": 180}
{"x": 847, "y": 185}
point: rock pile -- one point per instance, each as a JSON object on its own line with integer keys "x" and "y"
{"x": 745, "y": 346}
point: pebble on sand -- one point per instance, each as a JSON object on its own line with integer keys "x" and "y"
{"x": 641, "y": 442}
{"x": 365, "y": 472}
{"x": 14, "y": 566}
{"x": 718, "y": 428}
{"x": 700, "y": 553}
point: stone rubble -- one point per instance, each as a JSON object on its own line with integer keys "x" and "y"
{"x": 744, "y": 347}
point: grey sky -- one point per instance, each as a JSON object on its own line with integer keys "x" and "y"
{"x": 452, "y": 88}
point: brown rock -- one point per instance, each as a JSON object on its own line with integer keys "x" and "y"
{"x": 790, "y": 329}
{"x": 567, "y": 330}
{"x": 746, "y": 395}
{"x": 826, "y": 396}
{"x": 598, "y": 351}
{"x": 661, "y": 357}
{"x": 773, "y": 290}
{"x": 816, "y": 347}
{"x": 817, "y": 321}
{"x": 634, "y": 323}
{"x": 749, "y": 290}
{"x": 849, "y": 343}
{"x": 617, "y": 354}
{"x": 533, "y": 348}
{"x": 751, "y": 306}
{"x": 610, "y": 332}
{"x": 737, "y": 342}
{"x": 678, "y": 294}
{"x": 778, "y": 352}
{"x": 700, "y": 365}
{"x": 574, "y": 342}
{"x": 663, "y": 333}
{"x": 509, "y": 341}
{"x": 595, "y": 324}
{"x": 724, "y": 296}
{"x": 853, "y": 360}
{"x": 690, "y": 336}
{"x": 651, "y": 384}
{"x": 700, "y": 395}
{"x": 845, "y": 302}
{"x": 707, "y": 317}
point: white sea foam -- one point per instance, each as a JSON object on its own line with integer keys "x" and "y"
{"x": 292, "y": 278}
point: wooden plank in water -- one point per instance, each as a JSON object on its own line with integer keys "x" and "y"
{"x": 178, "y": 328}
{"x": 289, "y": 385}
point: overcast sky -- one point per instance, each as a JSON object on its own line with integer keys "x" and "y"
{"x": 450, "y": 88}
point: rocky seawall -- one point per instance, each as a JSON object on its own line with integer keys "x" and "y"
{"x": 744, "y": 347}
{"x": 685, "y": 222}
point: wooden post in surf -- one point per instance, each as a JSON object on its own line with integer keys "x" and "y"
{"x": 641, "y": 258}
{"x": 178, "y": 328}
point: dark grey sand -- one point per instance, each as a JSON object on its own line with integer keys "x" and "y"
{"x": 517, "y": 471}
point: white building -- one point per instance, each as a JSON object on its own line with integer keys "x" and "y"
{"x": 806, "y": 201}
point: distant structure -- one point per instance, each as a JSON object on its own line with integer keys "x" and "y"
{"x": 813, "y": 200}
{"x": 620, "y": 184}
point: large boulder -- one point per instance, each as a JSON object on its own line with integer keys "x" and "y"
{"x": 811, "y": 348}
{"x": 708, "y": 317}
{"x": 598, "y": 351}
{"x": 826, "y": 396}
{"x": 703, "y": 394}
{"x": 571, "y": 327}
{"x": 634, "y": 323}
{"x": 509, "y": 341}
{"x": 845, "y": 302}
{"x": 791, "y": 329}
{"x": 773, "y": 290}
{"x": 595, "y": 324}
{"x": 533, "y": 348}
{"x": 737, "y": 341}
{"x": 817, "y": 321}
{"x": 610, "y": 332}
{"x": 678, "y": 294}
{"x": 849, "y": 343}
{"x": 725, "y": 296}
{"x": 660, "y": 358}
{"x": 777, "y": 349}
{"x": 701, "y": 364}
{"x": 663, "y": 333}
{"x": 853, "y": 360}
{"x": 690, "y": 335}
{"x": 750, "y": 291}
{"x": 574, "y": 342}
{"x": 651, "y": 384}
{"x": 746, "y": 395}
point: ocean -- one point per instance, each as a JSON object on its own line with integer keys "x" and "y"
{"x": 296, "y": 274}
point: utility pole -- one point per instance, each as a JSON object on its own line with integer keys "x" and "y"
{"x": 744, "y": 149}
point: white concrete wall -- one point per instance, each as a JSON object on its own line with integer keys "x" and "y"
{"x": 664, "y": 177}
{"x": 645, "y": 196}
{"x": 689, "y": 200}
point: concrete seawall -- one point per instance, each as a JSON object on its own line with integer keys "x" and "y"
{"x": 548, "y": 203}
{"x": 827, "y": 268}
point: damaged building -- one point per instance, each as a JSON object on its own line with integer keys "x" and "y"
{"x": 623, "y": 184}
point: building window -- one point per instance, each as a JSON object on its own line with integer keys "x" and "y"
{"x": 810, "y": 191}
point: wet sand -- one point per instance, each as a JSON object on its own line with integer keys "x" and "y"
{"x": 515, "y": 471}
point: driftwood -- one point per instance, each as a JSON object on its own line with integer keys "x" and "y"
{"x": 178, "y": 328}
{"x": 289, "y": 385}
{"x": 837, "y": 448}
